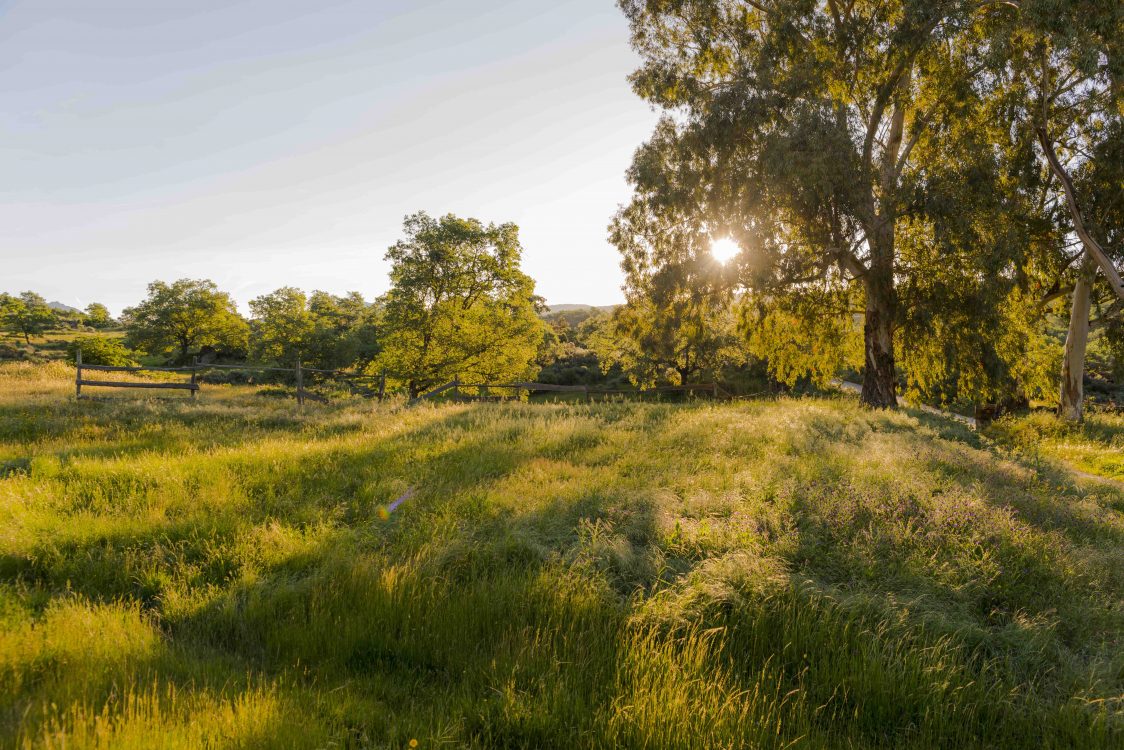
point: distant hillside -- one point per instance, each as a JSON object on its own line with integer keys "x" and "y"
{"x": 60, "y": 307}
{"x": 574, "y": 314}
{"x": 551, "y": 309}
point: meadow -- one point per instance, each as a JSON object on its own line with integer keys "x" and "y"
{"x": 780, "y": 573}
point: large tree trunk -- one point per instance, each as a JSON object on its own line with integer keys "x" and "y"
{"x": 1072, "y": 395}
{"x": 880, "y": 377}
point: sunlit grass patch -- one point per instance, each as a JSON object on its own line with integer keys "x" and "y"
{"x": 1095, "y": 446}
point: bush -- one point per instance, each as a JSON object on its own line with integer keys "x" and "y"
{"x": 11, "y": 350}
{"x": 99, "y": 350}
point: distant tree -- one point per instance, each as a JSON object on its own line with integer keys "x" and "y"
{"x": 458, "y": 304}
{"x": 97, "y": 316}
{"x": 101, "y": 350}
{"x": 182, "y": 318}
{"x": 26, "y": 315}
{"x": 280, "y": 326}
{"x": 8, "y": 307}
{"x": 345, "y": 330}
{"x": 674, "y": 342}
{"x": 321, "y": 329}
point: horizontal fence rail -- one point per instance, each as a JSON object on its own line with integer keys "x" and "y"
{"x": 364, "y": 384}
{"x": 367, "y": 384}
{"x": 456, "y": 384}
{"x": 192, "y": 385}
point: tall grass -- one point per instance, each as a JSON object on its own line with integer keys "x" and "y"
{"x": 793, "y": 573}
{"x": 1096, "y": 446}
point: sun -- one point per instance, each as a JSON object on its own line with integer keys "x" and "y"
{"x": 724, "y": 250}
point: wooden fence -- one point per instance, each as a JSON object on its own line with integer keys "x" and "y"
{"x": 588, "y": 392}
{"x": 365, "y": 385}
{"x": 354, "y": 381}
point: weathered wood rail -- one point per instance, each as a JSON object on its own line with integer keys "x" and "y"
{"x": 355, "y": 381}
{"x": 456, "y": 384}
{"x": 191, "y": 385}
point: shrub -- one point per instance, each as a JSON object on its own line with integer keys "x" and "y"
{"x": 99, "y": 350}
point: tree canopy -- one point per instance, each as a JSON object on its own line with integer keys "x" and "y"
{"x": 183, "y": 319}
{"x": 321, "y": 329}
{"x": 26, "y": 315}
{"x": 458, "y": 304}
{"x": 868, "y": 159}
{"x": 97, "y": 316}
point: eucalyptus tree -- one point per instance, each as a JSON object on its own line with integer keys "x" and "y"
{"x": 794, "y": 128}
{"x": 679, "y": 323}
{"x": 1060, "y": 67}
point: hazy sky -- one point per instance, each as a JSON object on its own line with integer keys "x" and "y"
{"x": 264, "y": 143}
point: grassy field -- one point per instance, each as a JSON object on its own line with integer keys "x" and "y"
{"x": 1096, "y": 446}
{"x": 789, "y": 573}
{"x": 49, "y": 345}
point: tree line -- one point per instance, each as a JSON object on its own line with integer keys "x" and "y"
{"x": 918, "y": 187}
{"x": 459, "y": 304}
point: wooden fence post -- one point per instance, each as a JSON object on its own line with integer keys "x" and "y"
{"x": 456, "y": 387}
{"x": 300, "y": 385}
{"x": 587, "y": 393}
{"x": 78, "y": 376}
{"x": 194, "y": 370}
{"x": 382, "y": 385}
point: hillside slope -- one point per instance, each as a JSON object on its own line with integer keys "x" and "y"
{"x": 791, "y": 573}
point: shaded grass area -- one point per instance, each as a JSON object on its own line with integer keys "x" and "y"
{"x": 1096, "y": 446}
{"x": 792, "y": 573}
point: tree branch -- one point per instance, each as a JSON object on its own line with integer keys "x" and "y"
{"x": 1091, "y": 245}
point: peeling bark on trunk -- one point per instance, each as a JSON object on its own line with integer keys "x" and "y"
{"x": 879, "y": 379}
{"x": 1072, "y": 393}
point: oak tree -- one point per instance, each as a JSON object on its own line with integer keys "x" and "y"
{"x": 459, "y": 304}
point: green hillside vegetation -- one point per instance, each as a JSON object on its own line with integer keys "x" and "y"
{"x": 775, "y": 573}
{"x": 1095, "y": 446}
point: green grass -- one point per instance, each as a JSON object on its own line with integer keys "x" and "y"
{"x": 791, "y": 573}
{"x": 1096, "y": 446}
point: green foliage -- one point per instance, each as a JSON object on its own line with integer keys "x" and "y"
{"x": 97, "y": 316}
{"x": 322, "y": 330}
{"x": 280, "y": 326}
{"x": 26, "y": 315}
{"x": 345, "y": 331}
{"x": 184, "y": 318}
{"x": 100, "y": 350}
{"x": 883, "y": 155}
{"x": 679, "y": 342}
{"x": 458, "y": 305}
{"x": 803, "y": 336}
{"x": 782, "y": 573}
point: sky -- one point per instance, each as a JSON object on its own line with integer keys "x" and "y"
{"x": 269, "y": 143}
